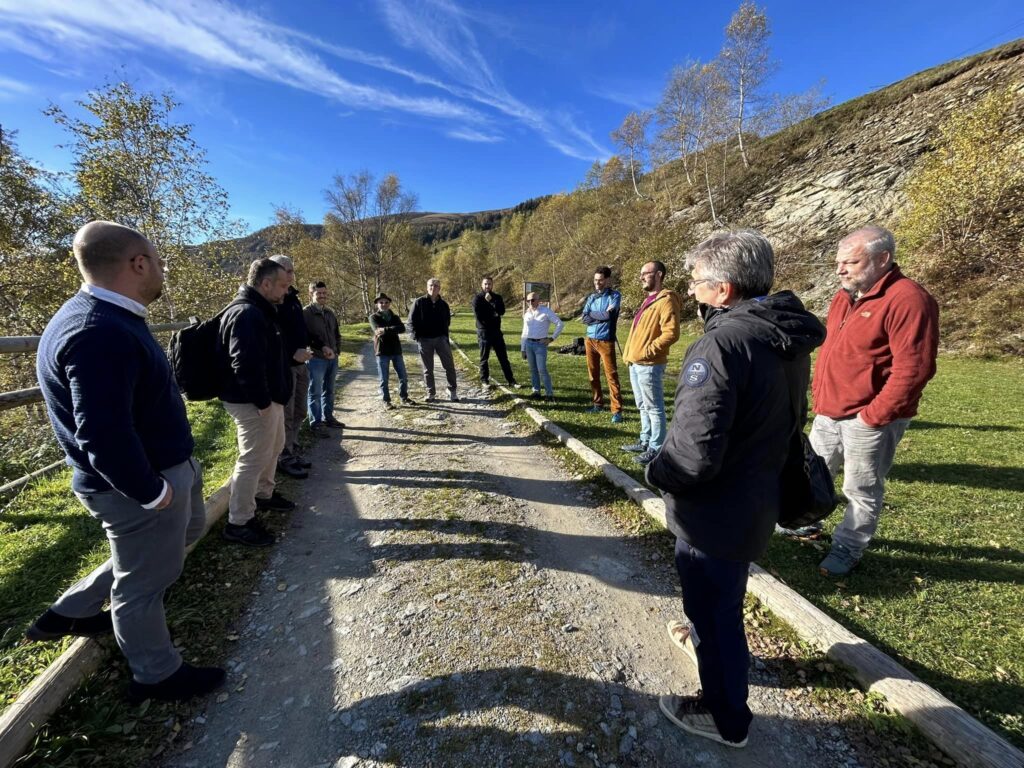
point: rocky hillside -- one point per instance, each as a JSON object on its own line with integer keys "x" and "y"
{"x": 848, "y": 166}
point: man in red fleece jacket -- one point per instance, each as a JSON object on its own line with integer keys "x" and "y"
{"x": 883, "y": 338}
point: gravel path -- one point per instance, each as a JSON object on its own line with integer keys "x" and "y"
{"x": 446, "y": 595}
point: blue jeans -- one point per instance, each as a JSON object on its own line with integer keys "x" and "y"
{"x": 713, "y": 591}
{"x": 384, "y": 363}
{"x": 321, "y": 389}
{"x": 648, "y": 382}
{"x": 537, "y": 357}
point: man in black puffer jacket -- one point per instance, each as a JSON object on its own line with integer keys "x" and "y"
{"x": 256, "y": 387}
{"x": 741, "y": 394}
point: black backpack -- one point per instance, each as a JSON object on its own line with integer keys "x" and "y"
{"x": 197, "y": 357}
{"x": 807, "y": 493}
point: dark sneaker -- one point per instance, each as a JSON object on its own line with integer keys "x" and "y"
{"x": 252, "y": 534}
{"x": 617, "y": 418}
{"x": 453, "y": 398}
{"x": 318, "y": 430}
{"x": 291, "y": 469}
{"x": 634, "y": 448}
{"x": 184, "y": 684}
{"x": 302, "y": 461}
{"x": 839, "y": 562}
{"x": 535, "y": 395}
{"x": 52, "y": 626}
{"x": 389, "y": 406}
{"x": 430, "y": 399}
{"x": 550, "y": 398}
{"x": 276, "y": 502}
{"x": 646, "y": 457}
{"x": 333, "y": 423}
{"x": 690, "y": 714}
{"x": 408, "y": 401}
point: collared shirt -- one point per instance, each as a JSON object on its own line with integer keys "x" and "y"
{"x": 537, "y": 322}
{"x": 104, "y": 294}
{"x": 120, "y": 300}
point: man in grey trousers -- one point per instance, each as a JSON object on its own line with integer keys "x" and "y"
{"x": 118, "y": 415}
{"x": 428, "y": 324}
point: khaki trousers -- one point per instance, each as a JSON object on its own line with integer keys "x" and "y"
{"x": 260, "y": 441}
{"x": 598, "y": 353}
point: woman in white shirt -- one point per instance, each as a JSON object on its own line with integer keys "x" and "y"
{"x": 537, "y": 322}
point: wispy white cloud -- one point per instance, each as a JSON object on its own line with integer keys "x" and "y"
{"x": 9, "y": 88}
{"x": 467, "y": 134}
{"x": 442, "y": 31}
{"x": 209, "y": 33}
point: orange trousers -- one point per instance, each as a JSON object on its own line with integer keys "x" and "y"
{"x": 598, "y": 353}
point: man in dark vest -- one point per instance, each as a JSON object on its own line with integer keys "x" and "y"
{"x": 118, "y": 415}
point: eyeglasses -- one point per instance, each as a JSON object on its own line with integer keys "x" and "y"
{"x": 694, "y": 283}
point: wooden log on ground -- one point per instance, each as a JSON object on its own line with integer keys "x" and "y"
{"x": 30, "y": 711}
{"x": 20, "y": 397}
{"x": 31, "y": 476}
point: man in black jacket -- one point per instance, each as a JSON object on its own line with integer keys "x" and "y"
{"x": 257, "y": 386}
{"x": 387, "y": 347}
{"x": 488, "y": 307}
{"x": 428, "y": 324}
{"x": 740, "y": 397}
{"x": 289, "y": 311}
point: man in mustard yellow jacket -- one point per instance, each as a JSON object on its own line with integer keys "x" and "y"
{"x": 655, "y": 328}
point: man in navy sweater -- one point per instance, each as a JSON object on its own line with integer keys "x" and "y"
{"x": 119, "y": 417}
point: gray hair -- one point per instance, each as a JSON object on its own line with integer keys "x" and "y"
{"x": 260, "y": 270}
{"x": 283, "y": 260}
{"x": 873, "y": 239}
{"x": 742, "y": 257}
{"x": 433, "y": 280}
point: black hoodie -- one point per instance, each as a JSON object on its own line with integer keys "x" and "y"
{"x": 742, "y": 392}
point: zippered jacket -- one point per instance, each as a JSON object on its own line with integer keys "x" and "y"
{"x": 322, "y": 326}
{"x": 388, "y": 342}
{"x": 741, "y": 394}
{"x": 655, "y": 332}
{"x": 254, "y": 346}
{"x": 879, "y": 354}
{"x": 601, "y": 314}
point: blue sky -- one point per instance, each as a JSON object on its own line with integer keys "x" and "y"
{"x": 475, "y": 105}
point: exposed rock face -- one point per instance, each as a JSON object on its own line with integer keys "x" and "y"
{"x": 854, "y": 169}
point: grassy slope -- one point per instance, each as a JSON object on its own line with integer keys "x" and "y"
{"x": 942, "y": 588}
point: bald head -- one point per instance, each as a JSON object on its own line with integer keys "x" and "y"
{"x": 103, "y": 248}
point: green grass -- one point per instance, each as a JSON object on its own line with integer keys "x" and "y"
{"x": 48, "y": 540}
{"x": 942, "y": 586}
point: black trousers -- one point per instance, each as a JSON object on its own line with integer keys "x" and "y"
{"x": 495, "y": 341}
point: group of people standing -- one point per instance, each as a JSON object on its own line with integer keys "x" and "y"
{"x": 741, "y": 396}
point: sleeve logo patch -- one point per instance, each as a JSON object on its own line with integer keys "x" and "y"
{"x": 697, "y": 373}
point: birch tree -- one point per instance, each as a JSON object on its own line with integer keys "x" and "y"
{"x": 745, "y": 63}
{"x": 631, "y": 137}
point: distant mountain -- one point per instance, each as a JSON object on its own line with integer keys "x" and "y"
{"x": 428, "y": 226}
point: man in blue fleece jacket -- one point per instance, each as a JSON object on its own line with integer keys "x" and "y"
{"x": 118, "y": 415}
